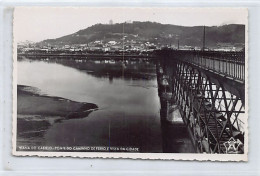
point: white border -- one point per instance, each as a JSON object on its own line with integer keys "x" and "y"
{"x": 32, "y": 166}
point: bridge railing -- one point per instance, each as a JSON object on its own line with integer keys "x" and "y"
{"x": 229, "y": 64}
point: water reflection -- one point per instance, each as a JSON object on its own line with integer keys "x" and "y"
{"x": 125, "y": 93}
{"x": 108, "y": 68}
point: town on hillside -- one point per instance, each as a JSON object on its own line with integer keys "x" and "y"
{"x": 115, "y": 47}
{"x": 140, "y": 38}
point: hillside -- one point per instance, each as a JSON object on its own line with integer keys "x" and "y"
{"x": 155, "y": 32}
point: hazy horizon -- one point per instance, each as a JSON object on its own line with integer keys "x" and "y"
{"x": 40, "y": 23}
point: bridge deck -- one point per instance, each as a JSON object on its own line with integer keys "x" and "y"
{"x": 228, "y": 64}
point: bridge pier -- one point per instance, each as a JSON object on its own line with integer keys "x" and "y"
{"x": 174, "y": 132}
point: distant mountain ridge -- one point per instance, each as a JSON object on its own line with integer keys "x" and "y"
{"x": 156, "y": 33}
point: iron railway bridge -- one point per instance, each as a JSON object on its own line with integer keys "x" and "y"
{"x": 208, "y": 89}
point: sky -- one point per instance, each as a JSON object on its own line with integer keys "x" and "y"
{"x": 40, "y": 23}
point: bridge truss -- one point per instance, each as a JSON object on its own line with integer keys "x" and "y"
{"x": 212, "y": 106}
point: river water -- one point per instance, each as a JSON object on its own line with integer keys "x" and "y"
{"x": 127, "y": 97}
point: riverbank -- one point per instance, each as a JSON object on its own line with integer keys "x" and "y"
{"x": 36, "y": 112}
{"x": 32, "y": 103}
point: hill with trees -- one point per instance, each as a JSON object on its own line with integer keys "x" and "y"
{"x": 156, "y": 33}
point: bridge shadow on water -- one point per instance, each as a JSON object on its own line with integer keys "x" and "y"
{"x": 175, "y": 138}
{"x": 175, "y": 135}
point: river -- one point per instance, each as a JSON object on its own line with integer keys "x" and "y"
{"x": 127, "y": 97}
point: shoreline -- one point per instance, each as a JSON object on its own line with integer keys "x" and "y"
{"x": 30, "y": 102}
{"x": 36, "y": 112}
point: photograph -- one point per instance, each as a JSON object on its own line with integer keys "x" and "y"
{"x": 130, "y": 82}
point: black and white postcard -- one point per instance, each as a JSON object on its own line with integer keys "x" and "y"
{"x": 140, "y": 83}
